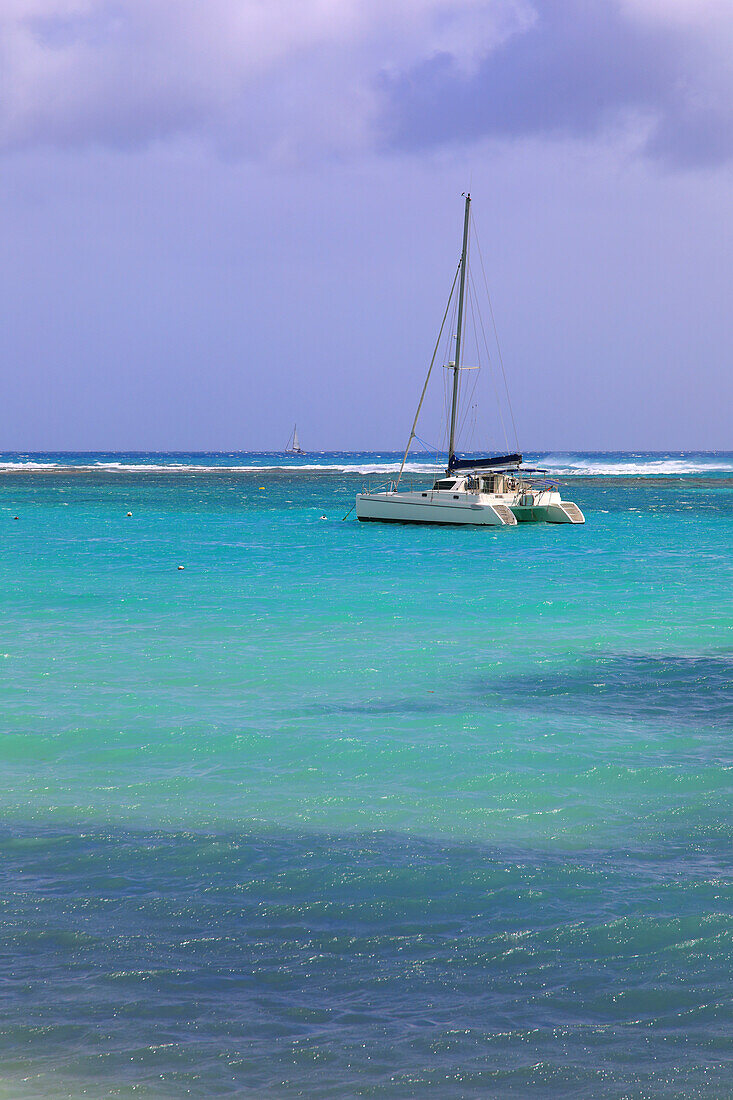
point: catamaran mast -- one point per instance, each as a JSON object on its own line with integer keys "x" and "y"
{"x": 459, "y": 332}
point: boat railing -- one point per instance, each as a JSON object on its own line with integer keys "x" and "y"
{"x": 406, "y": 485}
{"x": 379, "y": 487}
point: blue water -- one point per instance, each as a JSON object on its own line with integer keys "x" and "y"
{"x": 344, "y": 810}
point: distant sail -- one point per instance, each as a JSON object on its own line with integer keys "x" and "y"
{"x": 293, "y": 445}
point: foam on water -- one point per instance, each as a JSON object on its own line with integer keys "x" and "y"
{"x": 575, "y": 465}
{"x": 243, "y": 467}
{"x": 637, "y": 466}
{"x": 569, "y": 465}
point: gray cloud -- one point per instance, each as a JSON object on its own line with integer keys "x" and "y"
{"x": 300, "y": 79}
{"x": 290, "y": 78}
{"x": 577, "y": 70}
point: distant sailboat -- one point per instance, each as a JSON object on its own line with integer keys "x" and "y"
{"x": 293, "y": 445}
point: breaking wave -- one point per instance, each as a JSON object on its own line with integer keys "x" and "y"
{"x": 634, "y": 465}
{"x": 216, "y": 468}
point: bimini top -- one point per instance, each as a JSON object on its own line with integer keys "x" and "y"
{"x": 488, "y": 462}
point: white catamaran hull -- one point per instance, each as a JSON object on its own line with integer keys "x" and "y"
{"x": 476, "y": 509}
{"x": 429, "y": 508}
{"x": 545, "y": 507}
{"x": 562, "y": 512}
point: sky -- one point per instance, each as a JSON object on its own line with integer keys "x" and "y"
{"x": 218, "y": 218}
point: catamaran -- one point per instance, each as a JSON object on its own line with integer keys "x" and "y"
{"x": 490, "y": 491}
{"x": 293, "y": 444}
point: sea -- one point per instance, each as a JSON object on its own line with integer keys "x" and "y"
{"x": 294, "y": 806}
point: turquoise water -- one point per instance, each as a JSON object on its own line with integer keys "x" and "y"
{"x": 357, "y": 810}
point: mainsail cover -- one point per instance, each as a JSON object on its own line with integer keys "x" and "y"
{"x": 488, "y": 462}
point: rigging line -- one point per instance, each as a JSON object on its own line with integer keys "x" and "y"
{"x": 462, "y": 423}
{"x": 432, "y": 361}
{"x": 445, "y": 405}
{"x": 496, "y": 336}
{"x": 472, "y": 318}
{"x": 429, "y": 447}
{"x": 470, "y": 418}
{"x": 491, "y": 374}
{"x": 450, "y": 335}
{"x": 448, "y": 355}
{"x": 473, "y": 302}
{"x": 446, "y": 380}
{"x": 468, "y": 406}
{"x": 472, "y": 431}
{"x": 472, "y": 310}
{"x": 490, "y": 432}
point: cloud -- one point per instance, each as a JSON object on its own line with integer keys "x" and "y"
{"x": 253, "y": 76}
{"x": 306, "y": 79}
{"x": 579, "y": 70}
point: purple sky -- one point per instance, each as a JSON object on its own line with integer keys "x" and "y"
{"x": 218, "y": 218}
